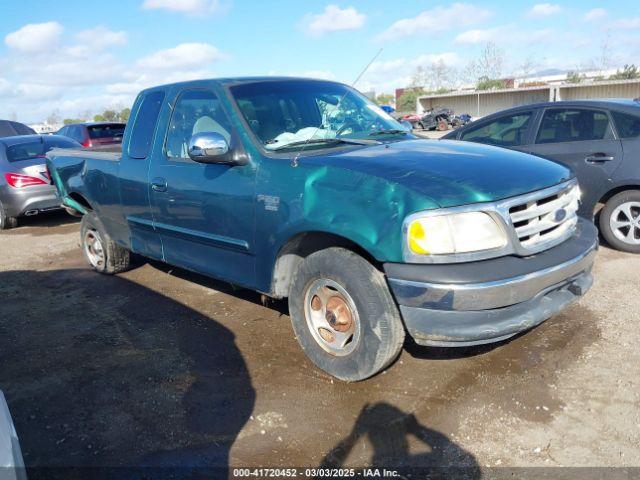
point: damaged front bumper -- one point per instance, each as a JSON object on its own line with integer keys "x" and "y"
{"x": 491, "y": 300}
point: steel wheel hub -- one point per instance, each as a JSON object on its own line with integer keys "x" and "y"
{"x": 94, "y": 249}
{"x": 332, "y": 317}
{"x": 625, "y": 223}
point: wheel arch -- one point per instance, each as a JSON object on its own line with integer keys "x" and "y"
{"x": 300, "y": 246}
{"x": 618, "y": 189}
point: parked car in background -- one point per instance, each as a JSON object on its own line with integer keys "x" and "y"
{"x": 366, "y": 229}
{"x": 388, "y": 108}
{"x": 25, "y": 187}
{"x": 94, "y": 134}
{"x": 9, "y": 128}
{"x": 598, "y": 139}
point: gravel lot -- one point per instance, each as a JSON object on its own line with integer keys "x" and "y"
{"x": 163, "y": 367}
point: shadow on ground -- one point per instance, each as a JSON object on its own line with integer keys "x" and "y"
{"x": 135, "y": 379}
{"x": 387, "y": 429}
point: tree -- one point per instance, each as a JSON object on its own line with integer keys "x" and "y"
{"x": 489, "y": 65}
{"x": 54, "y": 118}
{"x": 125, "y": 113}
{"x": 485, "y": 83}
{"x": 407, "y": 102}
{"x": 436, "y": 76}
{"x": 629, "y": 72}
{"x": 575, "y": 77}
{"x": 384, "y": 99}
{"x": 528, "y": 66}
{"x": 70, "y": 121}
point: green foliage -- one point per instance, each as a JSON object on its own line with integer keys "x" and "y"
{"x": 629, "y": 72}
{"x": 486, "y": 83}
{"x": 113, "y": 116}
{"x": 384, "y": 99}
{"x": 124, "y": 114}
{"x": 575, "y": 77}
{"x": 407, "y": 102}
{"x": 69, "y": 121}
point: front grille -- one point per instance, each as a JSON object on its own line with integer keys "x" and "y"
{"x": 545, "y": 220}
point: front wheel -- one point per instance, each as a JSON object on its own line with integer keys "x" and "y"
{"x": 102, "y": 253}
{"x": 344, "y": 316}
{"x": 620, "y": 221}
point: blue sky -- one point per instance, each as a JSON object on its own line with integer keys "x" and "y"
{"x": 84, "y": 56}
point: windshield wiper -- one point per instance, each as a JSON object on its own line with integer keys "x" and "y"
{"x": 388, "y": 132}
{"x": 330, "y": 141}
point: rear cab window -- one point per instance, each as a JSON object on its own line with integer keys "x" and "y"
{"x": 628, "y": 126}
{"x": 507, "y": 131}
{"x": 144, "y": 126}
{"x": 561, "y": 125}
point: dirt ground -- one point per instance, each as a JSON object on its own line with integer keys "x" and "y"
{"x": 162, "y": 367}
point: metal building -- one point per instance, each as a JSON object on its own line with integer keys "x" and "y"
{"x": 481, "y": 103}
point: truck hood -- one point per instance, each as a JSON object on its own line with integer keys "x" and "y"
{"x": 453, "y": 173}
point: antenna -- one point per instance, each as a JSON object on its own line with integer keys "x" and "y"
{"x": 294, "y": 161}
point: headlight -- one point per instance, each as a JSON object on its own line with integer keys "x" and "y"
{"x": 454, "y": 233}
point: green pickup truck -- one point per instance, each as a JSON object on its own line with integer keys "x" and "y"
{"x": 304, "y": 189}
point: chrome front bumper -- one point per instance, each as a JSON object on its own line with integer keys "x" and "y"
{"x": 490, "y": 300}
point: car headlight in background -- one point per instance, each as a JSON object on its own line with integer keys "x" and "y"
{"x": 454, "y": 233}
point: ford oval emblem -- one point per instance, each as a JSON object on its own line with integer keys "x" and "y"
{"x": 560, "y": 215}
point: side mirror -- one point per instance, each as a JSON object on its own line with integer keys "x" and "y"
{"x": 406, "y": 125}
{"x": 208, "y": 147}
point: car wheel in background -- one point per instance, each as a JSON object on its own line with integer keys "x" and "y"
{"x": 620, "y": 221}
{"x": 344, "y": 316}
{"x": 102, "y": 253}
{"x": 7, "y": 222}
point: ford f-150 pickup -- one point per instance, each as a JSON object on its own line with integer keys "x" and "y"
{"x": 305, "y": 189}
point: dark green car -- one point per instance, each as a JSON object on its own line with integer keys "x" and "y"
{"x": 305, "y": 189}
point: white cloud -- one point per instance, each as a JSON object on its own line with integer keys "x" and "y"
{"x": 542, "y": 10}
{"x": 514, "y": 33}
{"x": 320, "y": 74}
{"x": 186, "y": 56}
{"x": 436, "y": 21}
{"x": 628, "y": 23}
{"x": 450, "y": 59}
{"x": 479, "y": 35}
{"x": 190, "y": 7}
{"x": 100, "y": 37}
{"x": 35, "y": 37}
{"x": 595, "y": 14}
{"x": 332, "y": 19}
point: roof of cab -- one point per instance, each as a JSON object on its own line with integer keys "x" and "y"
{"x": 237, "y": 80}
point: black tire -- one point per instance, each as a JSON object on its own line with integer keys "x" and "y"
{"x": 381, "y": 331}
{"x": 7, "y": 222}
{"x": 115, "y": 259}
{"x": 605, "y": 220}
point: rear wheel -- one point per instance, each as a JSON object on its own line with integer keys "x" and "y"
{"x": 102, "y": 253}
{"x": 7, "y": 222}
{"x": 620, "y": 221}
{"x": 344, "y": 316}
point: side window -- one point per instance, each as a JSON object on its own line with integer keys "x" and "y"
{"x": 628, "y": 125}
{"x": 144, "y": 126}
{"x": 195, "y": 111}
{"x": 574, "y": 125}
{"x": 77, "y": 133}
{"x": 508, "y": 131}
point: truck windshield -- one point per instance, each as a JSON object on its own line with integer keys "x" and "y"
{"x": 282, "y": 114}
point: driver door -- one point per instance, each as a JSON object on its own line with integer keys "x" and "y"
{"x": 204, "y": 213}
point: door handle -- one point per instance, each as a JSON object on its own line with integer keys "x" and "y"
{"x": 599, "y": 158}
{"x": 159, "y": 185}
